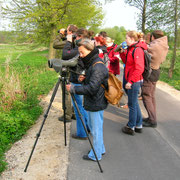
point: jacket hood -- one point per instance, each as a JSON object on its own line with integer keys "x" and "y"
{"x": 141, "y": 44}
{"x": 163, "y": 42}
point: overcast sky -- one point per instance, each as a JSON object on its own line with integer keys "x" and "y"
{"x": 120, "y": 14}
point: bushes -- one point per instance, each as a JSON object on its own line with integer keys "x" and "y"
{"x": 174, "y": 81}
{"x": 26, "y": 79}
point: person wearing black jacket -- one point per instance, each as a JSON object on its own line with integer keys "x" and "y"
{"x": 70, "y": 50}
{"x": 95, "y": 102}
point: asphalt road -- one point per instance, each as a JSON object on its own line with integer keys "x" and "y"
{"x": 152, "y": 155}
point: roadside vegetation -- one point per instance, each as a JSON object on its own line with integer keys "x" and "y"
{"x": 24, "y": 79}
{"x": 175, "y": 80}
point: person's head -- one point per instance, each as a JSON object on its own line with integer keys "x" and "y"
{"x": 103, "y": 34}
{"x": 99, "y": 41}
{"x": 109, "y": 42}
{"x": 85, "y": 47}
{"x": 148, "y": 38}
{"x": 82, "y": 33}
{"x": 156, "y": 34}
{"x": 71, "y": 29}
{"x": 91, "y": 34}
{"x": 132, "y": 37}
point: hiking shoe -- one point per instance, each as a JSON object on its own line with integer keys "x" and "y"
{"x": 61, "y": 118}
{"x": 73, "y": 117}
{"x": 145, "y": 119}
{"x": 149, "y": 124}
{"x": 138, "y": 130}
{"x": 128, "y": 130}
{"x": 78, "y": 137}
{"x": 86, "y": 157}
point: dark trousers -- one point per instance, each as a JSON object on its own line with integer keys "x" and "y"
{"x": 148, "y": 95}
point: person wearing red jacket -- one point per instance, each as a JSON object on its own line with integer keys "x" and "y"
{"x": 113, "y": 64}
{"x": 134, "y": 67}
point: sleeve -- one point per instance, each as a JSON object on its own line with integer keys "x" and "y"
{"x": 58, "y": 43}
{"x": 98, "y": 75}
{"x": 68, "y": 51}
{"x": 114, "y": 56}
{"x": 123, "y": 56}
{"x": 138, "y": 64}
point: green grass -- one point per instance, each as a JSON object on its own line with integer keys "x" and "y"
{"x": 24, "y": 78}
{"x": 175, "y": 80}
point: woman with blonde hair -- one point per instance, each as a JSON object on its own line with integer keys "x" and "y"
{"x": 134, "y": 67}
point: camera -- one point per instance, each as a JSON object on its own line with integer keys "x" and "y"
{"x": 123, "y": 45}
{"x": 60, "y": 65}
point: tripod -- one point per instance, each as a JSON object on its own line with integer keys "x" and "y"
{"x": 62, "y": 79}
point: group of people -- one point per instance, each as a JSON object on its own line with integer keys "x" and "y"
{"x": 97, "y": 57}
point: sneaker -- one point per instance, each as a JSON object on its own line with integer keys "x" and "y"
{"x": 128, "y": 130}
{"x": 61, "y": 118}
{"x": 78, "y": 137}
{"x": 138, "y": 130}
{"x": 149, "y": 124}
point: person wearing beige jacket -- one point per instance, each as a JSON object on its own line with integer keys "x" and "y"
{"x": 158, "y": 49}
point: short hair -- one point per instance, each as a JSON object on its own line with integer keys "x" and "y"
{"x": 87, "y": 43}
{"x": 72, "y": 28}
{"x": 103, "y": 34}
{"x": 157, "y": 34}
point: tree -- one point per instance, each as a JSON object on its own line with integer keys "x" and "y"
{"x": 41, "y": 18}
{"x": 118, "y": 34}
{"x": 142, "y": 5}
{"x": 165, "y": 15}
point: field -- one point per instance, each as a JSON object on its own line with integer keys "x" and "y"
{"x": 175, "y": 80}
{"x": 24, "y": 79}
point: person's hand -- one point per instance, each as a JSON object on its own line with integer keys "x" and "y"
{"x": 69, "y": 37}
{"x": 81, "y": 78}
{"x": 128, "y": 85}
{"x": 68, "y": 87}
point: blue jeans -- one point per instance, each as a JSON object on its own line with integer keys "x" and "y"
{"x": 79, "y": 126}
{"x": 135, "y": 117}
{"x": 96, "y": 127}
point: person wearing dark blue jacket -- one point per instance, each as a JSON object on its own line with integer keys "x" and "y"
{"x": 96, "y": 75}
{"x": 70, "y": 50}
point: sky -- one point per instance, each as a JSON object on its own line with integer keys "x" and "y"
{"x": 120, "y": 14}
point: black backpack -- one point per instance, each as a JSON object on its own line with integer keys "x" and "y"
{"x": 147, "y": 61}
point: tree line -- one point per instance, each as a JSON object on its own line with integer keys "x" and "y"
{"x": 39, "y": 20}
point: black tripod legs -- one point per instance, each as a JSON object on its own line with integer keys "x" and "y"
{"x": 45, "y": 116}
{"x": 72, "y": 95}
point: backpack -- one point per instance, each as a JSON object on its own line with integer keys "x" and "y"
{"x": 147, "y": 61}
{"x": 114, "y": 91}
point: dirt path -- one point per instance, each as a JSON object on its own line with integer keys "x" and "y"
{"x": 50, "y": 158}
